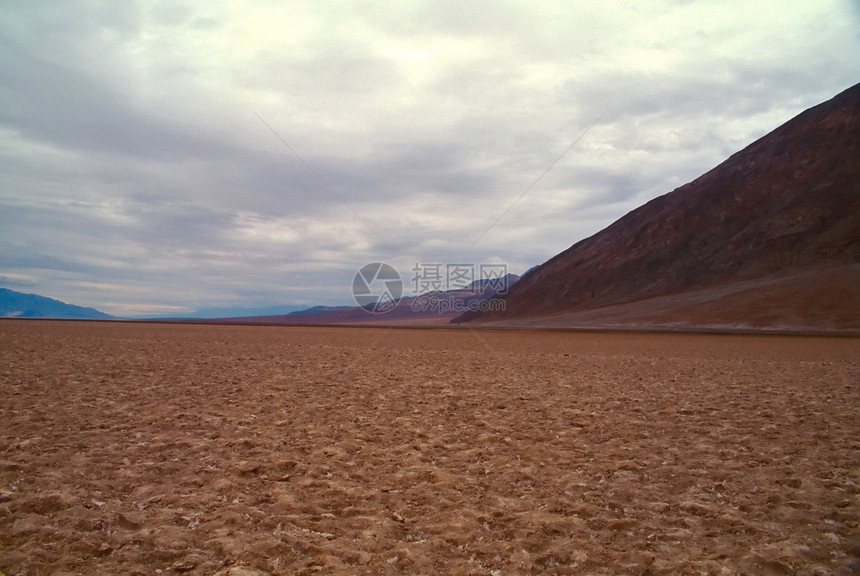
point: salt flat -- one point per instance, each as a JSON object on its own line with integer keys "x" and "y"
{"x": 127, "y": 448}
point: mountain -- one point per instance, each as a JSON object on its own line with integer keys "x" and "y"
{"x": 317, "y": 310}
{"x": 430, "y": 308}
{"x": 768, "y": 239}
{"x": 490, "y": 286}
{"x": 232, "y": 311}
{"x": 18, "y": 305}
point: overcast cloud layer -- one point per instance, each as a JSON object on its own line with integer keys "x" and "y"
{"x": 158, "y": 157}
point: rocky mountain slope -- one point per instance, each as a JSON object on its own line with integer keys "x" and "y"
{"x": 770, "y": 238}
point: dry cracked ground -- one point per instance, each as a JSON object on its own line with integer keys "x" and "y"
{"x": 162, "y": 449}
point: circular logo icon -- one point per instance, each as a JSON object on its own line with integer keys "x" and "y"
{"x": 377, "y": 287}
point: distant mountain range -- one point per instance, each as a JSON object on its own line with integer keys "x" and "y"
{"x": 769, "y": 239}
{"x": 234, "y": 311}
{"x": 19, "y": 305}
{"x": 433, "y": 307}
{"x": 437, "y": 307}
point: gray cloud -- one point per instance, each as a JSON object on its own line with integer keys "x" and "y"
{"x": 136, "y": 176}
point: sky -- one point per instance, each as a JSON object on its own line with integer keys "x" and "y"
{"x": 161, "y": 157}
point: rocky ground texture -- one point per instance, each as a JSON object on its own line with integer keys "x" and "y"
{"x": 149, "y": 449}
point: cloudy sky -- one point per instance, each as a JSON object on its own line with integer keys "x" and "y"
{"x": 159, "y": 157}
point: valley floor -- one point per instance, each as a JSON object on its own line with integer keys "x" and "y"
{"x": 132, "y": 448}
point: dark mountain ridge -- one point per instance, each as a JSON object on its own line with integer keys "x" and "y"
{"x": 786, "y": 205}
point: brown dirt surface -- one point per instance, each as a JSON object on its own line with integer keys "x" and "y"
{"x": 133, "y": 448}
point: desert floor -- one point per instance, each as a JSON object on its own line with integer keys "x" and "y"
{"x": 131, "y": 448}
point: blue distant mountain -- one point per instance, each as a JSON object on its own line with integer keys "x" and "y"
{"x": 490, "y": 286}
{"x": 243, "y": 311}
{"x": 317, "y": 310}
{"x": 19, "y": 305}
